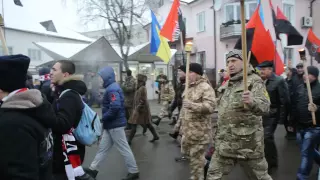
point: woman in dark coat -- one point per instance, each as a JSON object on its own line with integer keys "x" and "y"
{"x": 141, "y": 111}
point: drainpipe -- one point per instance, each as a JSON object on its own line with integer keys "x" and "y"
{"x": 215, "y": 43}
{"x": 311, "y": 7}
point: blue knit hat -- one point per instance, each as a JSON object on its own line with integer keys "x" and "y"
{"x": 13, "y": 72}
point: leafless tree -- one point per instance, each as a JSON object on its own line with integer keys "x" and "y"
{"x": 120, "y": 16}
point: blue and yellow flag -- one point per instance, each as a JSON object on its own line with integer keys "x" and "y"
{"x": 159, "y": 45}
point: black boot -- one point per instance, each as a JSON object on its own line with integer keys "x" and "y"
{"x": 132, "y": 133}
{"x": 153, "y": 132}
{"x": 173, "y": 122}
{"x": 157, "y": 122}
{"x": 174, "y": 135}
{"x": 92, "y": 173}
{"x": 131, "y": 176}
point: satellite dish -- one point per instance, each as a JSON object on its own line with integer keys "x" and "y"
{"x": 217, "y": 5}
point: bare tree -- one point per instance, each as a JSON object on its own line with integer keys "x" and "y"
{"x": 120, "y": 16}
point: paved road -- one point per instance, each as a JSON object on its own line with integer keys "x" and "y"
{"x": 156, "y": 161}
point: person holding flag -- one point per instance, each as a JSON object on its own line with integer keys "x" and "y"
{"x": 239, "y": 137}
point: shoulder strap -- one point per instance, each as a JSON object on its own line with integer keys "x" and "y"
{"x": 63, "y": 92}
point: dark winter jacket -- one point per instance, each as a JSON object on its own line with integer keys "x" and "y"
{"x": 177, "y": 101}
{"x": 279, "y": 97}
{"x": 302, "y": 117}
{"x": 26, "y": 138}
{"x": 113, "y": 110}
{"x": 46, "y": 90}
{"x": 68, "y": 110}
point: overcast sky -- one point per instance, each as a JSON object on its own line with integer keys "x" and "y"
{"x": 63, "y": 12}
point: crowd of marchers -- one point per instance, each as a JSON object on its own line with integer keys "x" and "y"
{"x": 37, "y": 123}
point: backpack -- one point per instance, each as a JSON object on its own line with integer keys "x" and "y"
{"x": 89, "y": 128}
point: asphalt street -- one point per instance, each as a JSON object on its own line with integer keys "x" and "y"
{"x": 156, "y": 161}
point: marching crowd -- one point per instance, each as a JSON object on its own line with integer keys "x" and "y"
{"x": 37, "y": 123}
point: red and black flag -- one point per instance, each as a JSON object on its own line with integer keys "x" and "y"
{"x": 181, "y": 27}
{"x": 313, "y": 45}
{"x": 283, "y": 26}
{"x": 259, "y": 41}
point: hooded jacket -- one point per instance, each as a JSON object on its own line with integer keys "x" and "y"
{"x": 26, "y": 138}
{"x": 68, "y": 110}
{"x": 113, "y": 110}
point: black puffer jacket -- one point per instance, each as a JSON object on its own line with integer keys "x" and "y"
{"x": 302, "y": 116}
{"x": 279, "y": 98}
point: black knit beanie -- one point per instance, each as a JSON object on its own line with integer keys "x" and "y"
{"x": 196, "y": 68}
{"x": 313, "y": 71}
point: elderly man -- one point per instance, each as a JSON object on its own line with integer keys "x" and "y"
{"x": 239, "y": 137}
{"x": 279, "y": 97}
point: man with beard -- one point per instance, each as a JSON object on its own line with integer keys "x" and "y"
{"x": 279, "y": 97}
{"x": 25, "y": 125}
{"x": 239, "y": 136}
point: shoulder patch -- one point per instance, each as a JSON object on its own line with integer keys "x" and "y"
{"x": 266, "y": 94}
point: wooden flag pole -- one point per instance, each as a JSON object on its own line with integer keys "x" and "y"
{"x": 188, "y": 49}
{"x": 3, "y": 40}
{"x": 303, "y": 58}
{"x": 244, "y": 47}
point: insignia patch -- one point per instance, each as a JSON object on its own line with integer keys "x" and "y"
{"x": 113, "y": 97}
{"x": 266, "y": 94}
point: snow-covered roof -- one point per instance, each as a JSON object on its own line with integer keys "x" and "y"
{"x": 21, "y": 18}
{"x": 100, "y": 50}
{"x": 65, "y": 50}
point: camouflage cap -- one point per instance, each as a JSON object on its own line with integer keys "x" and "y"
{"x": 236, "y": 53}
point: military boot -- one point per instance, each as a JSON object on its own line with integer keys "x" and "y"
{"x": 85, "y": 177}
{"x": 173, "y": 122}
{"x": 174, "y": 135}
{"x": 157, "y": 122}
{"x": 154, "y": 133}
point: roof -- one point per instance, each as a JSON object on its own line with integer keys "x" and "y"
{"x": 25, "y": 21}
{"x": 98, "y": 51}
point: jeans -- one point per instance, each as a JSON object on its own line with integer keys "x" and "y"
{"x": 308, "y": 140}
{"x": 117, "y": 138}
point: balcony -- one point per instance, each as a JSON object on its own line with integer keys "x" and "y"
{"x": 230, "y": 30}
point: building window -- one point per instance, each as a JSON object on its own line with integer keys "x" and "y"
{"x": 201, "y": 58}
{"x": 232, "y": 10}
{"x": 34, "y": 54}
{"x": 288, "y": 11}
{"x": 201, "y": 21}
{"x": 10, "y": 49}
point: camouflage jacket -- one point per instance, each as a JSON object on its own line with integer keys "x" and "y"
{"x": 167, "y": 92}
{"x": 129, "y": 89}
{"x": 240, "y": 131}
{"x": 196, "y": 122}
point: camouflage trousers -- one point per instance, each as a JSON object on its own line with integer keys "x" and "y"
{"x": 196, "y": 154}
{"x": 164, "y": 110}
{"x": 220, "y": 167}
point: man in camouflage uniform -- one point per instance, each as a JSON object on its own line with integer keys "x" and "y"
{"x": 166, "y": 95}
{"x": 239, "y": 137}
{"x": 129, "y": 89}
{"x": 195, "y": 117}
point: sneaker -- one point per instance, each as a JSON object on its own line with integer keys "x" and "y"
{"x": 92, "y": 173}
{"x": 179, "y": 159}
{"x": 85, "y": 177}
{"x": 131, "y": 176}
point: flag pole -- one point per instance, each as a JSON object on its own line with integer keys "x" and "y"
{"x": 182, "y": 47}
{"x": 244, "y": 46}
{"x": 2, "y": 38}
